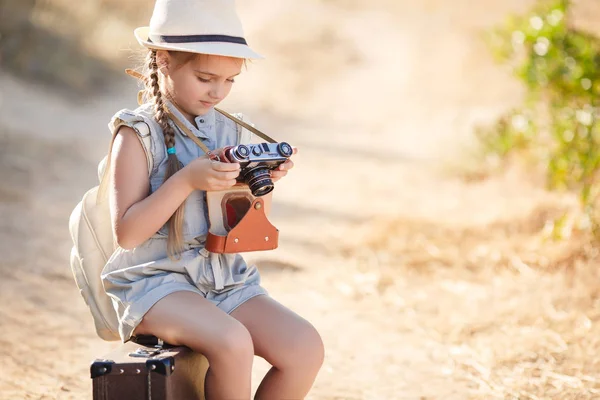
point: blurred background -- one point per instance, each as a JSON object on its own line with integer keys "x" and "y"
{"x": 440, "y": 228}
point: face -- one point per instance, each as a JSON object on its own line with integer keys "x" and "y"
{"x": 198, "y": 82}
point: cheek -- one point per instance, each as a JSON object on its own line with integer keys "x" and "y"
{"x": 228, "y": 87}
{"x": 190, "y": 89}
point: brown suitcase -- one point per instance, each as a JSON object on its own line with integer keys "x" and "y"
{"x": 136, "y": 371}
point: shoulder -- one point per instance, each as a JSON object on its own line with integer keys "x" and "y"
{"x": 141, "y": 121}
{"x": 130, "y": 118}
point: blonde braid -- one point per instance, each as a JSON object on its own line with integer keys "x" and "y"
{"x": 175, "y": 244}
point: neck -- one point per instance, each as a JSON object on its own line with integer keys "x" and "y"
{"x": 189, "y": 117}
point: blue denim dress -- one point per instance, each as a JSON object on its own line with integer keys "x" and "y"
{"x": 136, "y": 279}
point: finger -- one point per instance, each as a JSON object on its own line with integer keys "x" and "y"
{"x": 289, "y": 164}
{"x": 229, "y": 183}
{"x": 278, "y": 174}
{"x": 294, "y": 150}
{"x": 223, "y": 184}
{"x": 224, "y": 167}
{"x": 226, "y": 175}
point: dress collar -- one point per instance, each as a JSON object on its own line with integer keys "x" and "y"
{"x": 204, "y": 123}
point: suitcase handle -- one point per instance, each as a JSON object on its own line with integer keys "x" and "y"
{"x": 150, "y": 341}
{"x": 142, "y": 352}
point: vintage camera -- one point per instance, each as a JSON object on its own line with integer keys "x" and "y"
{"x": 256, "y": 162}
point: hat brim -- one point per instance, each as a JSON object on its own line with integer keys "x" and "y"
{"x": 214, "y": 48}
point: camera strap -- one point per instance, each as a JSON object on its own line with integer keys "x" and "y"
{"x": 189, "y": 133}
{"x": 247, "y": 126}
{"x": 195, "y": 139}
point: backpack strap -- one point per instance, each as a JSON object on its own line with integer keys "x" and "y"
{"x": 143, "y": 134}
{"x": 145, "y": 138}
{"x": 143, "y": 129}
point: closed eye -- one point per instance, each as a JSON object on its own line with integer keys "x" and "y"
{"x": 208, "y": 80}
{"x": 213, "y": 76}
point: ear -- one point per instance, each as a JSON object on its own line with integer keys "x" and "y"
{"x": 163, "y": 61}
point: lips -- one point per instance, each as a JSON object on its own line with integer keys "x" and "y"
{"x": 207, "y": 104}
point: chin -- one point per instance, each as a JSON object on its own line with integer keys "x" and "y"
{"x": 202, "y": 110}
{"x": 199, "y": 109}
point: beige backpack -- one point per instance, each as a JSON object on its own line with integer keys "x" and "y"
{"x": 93, "y": 245}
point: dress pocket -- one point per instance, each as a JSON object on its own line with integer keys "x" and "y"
{"x": 237, "y": 275}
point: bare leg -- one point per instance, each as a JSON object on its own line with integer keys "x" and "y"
{"x": 288, "y": 342}
{"x": 186, "y": 318}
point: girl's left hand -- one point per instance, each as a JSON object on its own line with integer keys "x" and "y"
{"x": 282, "y": 170}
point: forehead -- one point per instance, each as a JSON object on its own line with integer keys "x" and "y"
{"x": 217, "y": 65}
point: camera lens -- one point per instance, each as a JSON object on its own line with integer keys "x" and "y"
{"x": 241, "y": 152}
{"x": 285, "y": 149}
{"x": 259, "y": 181}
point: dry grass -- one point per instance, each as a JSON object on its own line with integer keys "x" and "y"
{"x": 517, "y": 312}
{"x": 498, "y": 246}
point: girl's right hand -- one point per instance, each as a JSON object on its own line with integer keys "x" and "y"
{"x": 205, "y": 174}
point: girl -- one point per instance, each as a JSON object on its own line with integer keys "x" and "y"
{"x": 161, "y": 279}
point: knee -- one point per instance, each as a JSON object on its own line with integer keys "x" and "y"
{"x": 315, "y": 349}
{"x": 307, "y": 350}
{"x": 233, "y": 345}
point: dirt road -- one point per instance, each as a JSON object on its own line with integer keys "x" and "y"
{"x": 420, "y": 282}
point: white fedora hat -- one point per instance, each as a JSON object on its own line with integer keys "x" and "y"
{"x": 197, "y": 26}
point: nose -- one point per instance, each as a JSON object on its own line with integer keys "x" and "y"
{"x": 217, "y": 91}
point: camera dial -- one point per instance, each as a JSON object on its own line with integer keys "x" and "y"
{"x": 241, "y": 152}
{"x": 256, "y": 150}
{"x": 285, "y": 149}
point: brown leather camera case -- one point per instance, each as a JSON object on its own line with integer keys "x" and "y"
{"x": 254, "y": 232}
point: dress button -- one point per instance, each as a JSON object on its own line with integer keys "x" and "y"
{"x": 201, "y": 121}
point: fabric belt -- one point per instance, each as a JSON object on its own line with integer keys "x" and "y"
{"x": 214, "y": 262}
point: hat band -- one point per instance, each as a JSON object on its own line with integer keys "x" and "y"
{"x": 200, "y": 38}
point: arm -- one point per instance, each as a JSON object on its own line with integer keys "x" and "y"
{"x": 135, "y": 215}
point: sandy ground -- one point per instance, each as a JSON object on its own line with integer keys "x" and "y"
{"x": 422, "y": 283}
